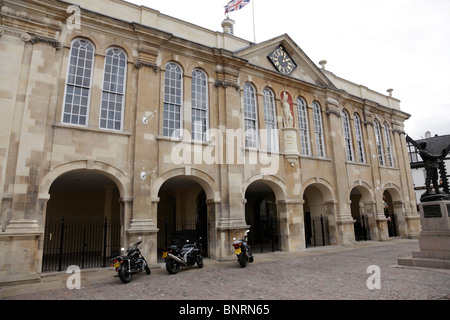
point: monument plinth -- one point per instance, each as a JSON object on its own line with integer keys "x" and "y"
{"x": 434, "y": 240}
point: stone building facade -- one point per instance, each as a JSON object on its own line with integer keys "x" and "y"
{"x": 112, "y": 111}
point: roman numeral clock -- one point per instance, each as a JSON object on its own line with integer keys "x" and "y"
{"x": 282, "y": 61}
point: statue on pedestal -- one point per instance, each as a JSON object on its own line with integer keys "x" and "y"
{"x": 431, "y": 164}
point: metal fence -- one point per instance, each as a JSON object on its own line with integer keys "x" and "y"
{"x": 84, "y": 244}
{"x": 317, "y": 231}
{"x": 362, "y": 232}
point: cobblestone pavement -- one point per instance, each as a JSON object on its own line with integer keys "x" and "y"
{"x": 325, "y": 273}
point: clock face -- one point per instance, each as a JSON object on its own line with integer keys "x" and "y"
{"x": 282, "y": 61}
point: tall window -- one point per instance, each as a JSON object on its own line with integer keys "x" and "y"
{"x": 251, "y": 133}
{"x": 303, "y": 126}
{"x": 270, "y": 120}
{"x": 113, "y": 94}
{"x": 318, "y": 129}
{"x": 359, "y": 138}
{"x": 387, "y": 136}
{"x": 172, "y": 120}
{"x": 199, "y": 106}
{"x": 379, "y": 142}
{"x": 78, "y": 83}
{"x": 347, "y": 135}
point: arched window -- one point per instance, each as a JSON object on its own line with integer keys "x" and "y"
{"x": 78, "y": 83}
{"x": 173, "y": 85}
{"x": 270, "y": 120}
{"x": 318, "y": 129}
{"x": 250, "y": 118}
{"x": 199, "y": 106}
{"x": 113, "y": 92}
{"x": 379, "y": 142}
{"x": 303, "y": 126}
{"x": 347, "y": 135}
{"x": 387, "y": 137}
{"x": 359, "y": 138}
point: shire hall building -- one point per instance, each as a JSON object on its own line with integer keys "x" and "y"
{"x": 120, "y": 122}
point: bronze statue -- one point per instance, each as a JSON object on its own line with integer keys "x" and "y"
{"x": 431, "y": 164}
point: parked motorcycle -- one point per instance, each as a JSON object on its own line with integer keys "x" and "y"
{"x": 243, "y": 250}
{"x": 131, "y": 263}
{"x": 187, "y": 255}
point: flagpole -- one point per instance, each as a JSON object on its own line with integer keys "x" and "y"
{"x": 254, "y": 32}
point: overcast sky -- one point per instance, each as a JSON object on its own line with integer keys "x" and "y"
{"x": 381, "y": 44}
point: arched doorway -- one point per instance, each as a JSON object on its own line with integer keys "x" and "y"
{"x": 316, "y": 216}
{"x": 182, "y": 214}
{"x": 390, "y": 214}
{"x": 82, "y": 221}
{"x": 262, "y": 215}
{"x": 358, "y": 196}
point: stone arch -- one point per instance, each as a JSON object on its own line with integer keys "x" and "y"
{"x": 363, "y": 211}
{"x": 199, "y": 176}
{"x": 278, "y": 186}
{"x": 115, "y": 174}
{"x": 265, "y": 212}
{"x": 394, "y": 209}
{"x": 319, "y": 212}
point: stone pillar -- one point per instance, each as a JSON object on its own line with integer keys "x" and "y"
{"x": 344, "y": 220}
{"x": 372, "y": 160}
{"x": 230, "y": 213}
{"x": 292, "y": 229}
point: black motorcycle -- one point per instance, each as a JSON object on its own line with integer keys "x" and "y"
{"x": 243, "y": 250}
{"x": 187, "y": 255}
{"x": 131, "y": 263}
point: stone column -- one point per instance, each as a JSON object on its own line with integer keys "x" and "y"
{"x": 292, "y": 229}
{"x": 230, "y": 214}
{"x": 344, "y": 220}
{"x": 142, "y": 214}
{"x": 372, "y": 160}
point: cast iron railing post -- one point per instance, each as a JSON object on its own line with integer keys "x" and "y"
{"x": 105, "y": 233}
{"x": 323, "y": 231}
{"x": 83, "y": 246}
{"x": 61, "y": 243}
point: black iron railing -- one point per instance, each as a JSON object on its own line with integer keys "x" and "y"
{"x": 84, "y": 244}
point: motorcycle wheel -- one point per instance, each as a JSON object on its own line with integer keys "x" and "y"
{"x": 172, "y": 266}
{"x": 199, "y": 261}
{"x": 124, "y": 275}
{"x": 242, "y": 260}
{"x": 147, "y": 269}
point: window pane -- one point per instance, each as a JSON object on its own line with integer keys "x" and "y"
{"x": 172, "y": 101}
{"x": 199, "y": 106}
{"x": 250, "y": 116}
{"x": 113, "y": 94}
{"x": 78, "y": 83}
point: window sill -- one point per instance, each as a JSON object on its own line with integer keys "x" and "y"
{"x": 90, "y": 129}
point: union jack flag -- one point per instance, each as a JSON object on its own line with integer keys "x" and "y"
{"x": 235, "y": 5}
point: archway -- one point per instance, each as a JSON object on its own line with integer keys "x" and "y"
{"x": 82, "y": 221}
{"x": 317, "y": 215}
{"x": 182, "y": 213}
{"x": 261, "y": 214}
{"x": 359, "y": 199}
{"x": 390, "y": 214}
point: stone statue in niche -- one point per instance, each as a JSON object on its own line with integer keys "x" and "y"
{"x": 288, "y": 118}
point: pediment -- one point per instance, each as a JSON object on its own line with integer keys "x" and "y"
{"x": 305, "y": 70}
